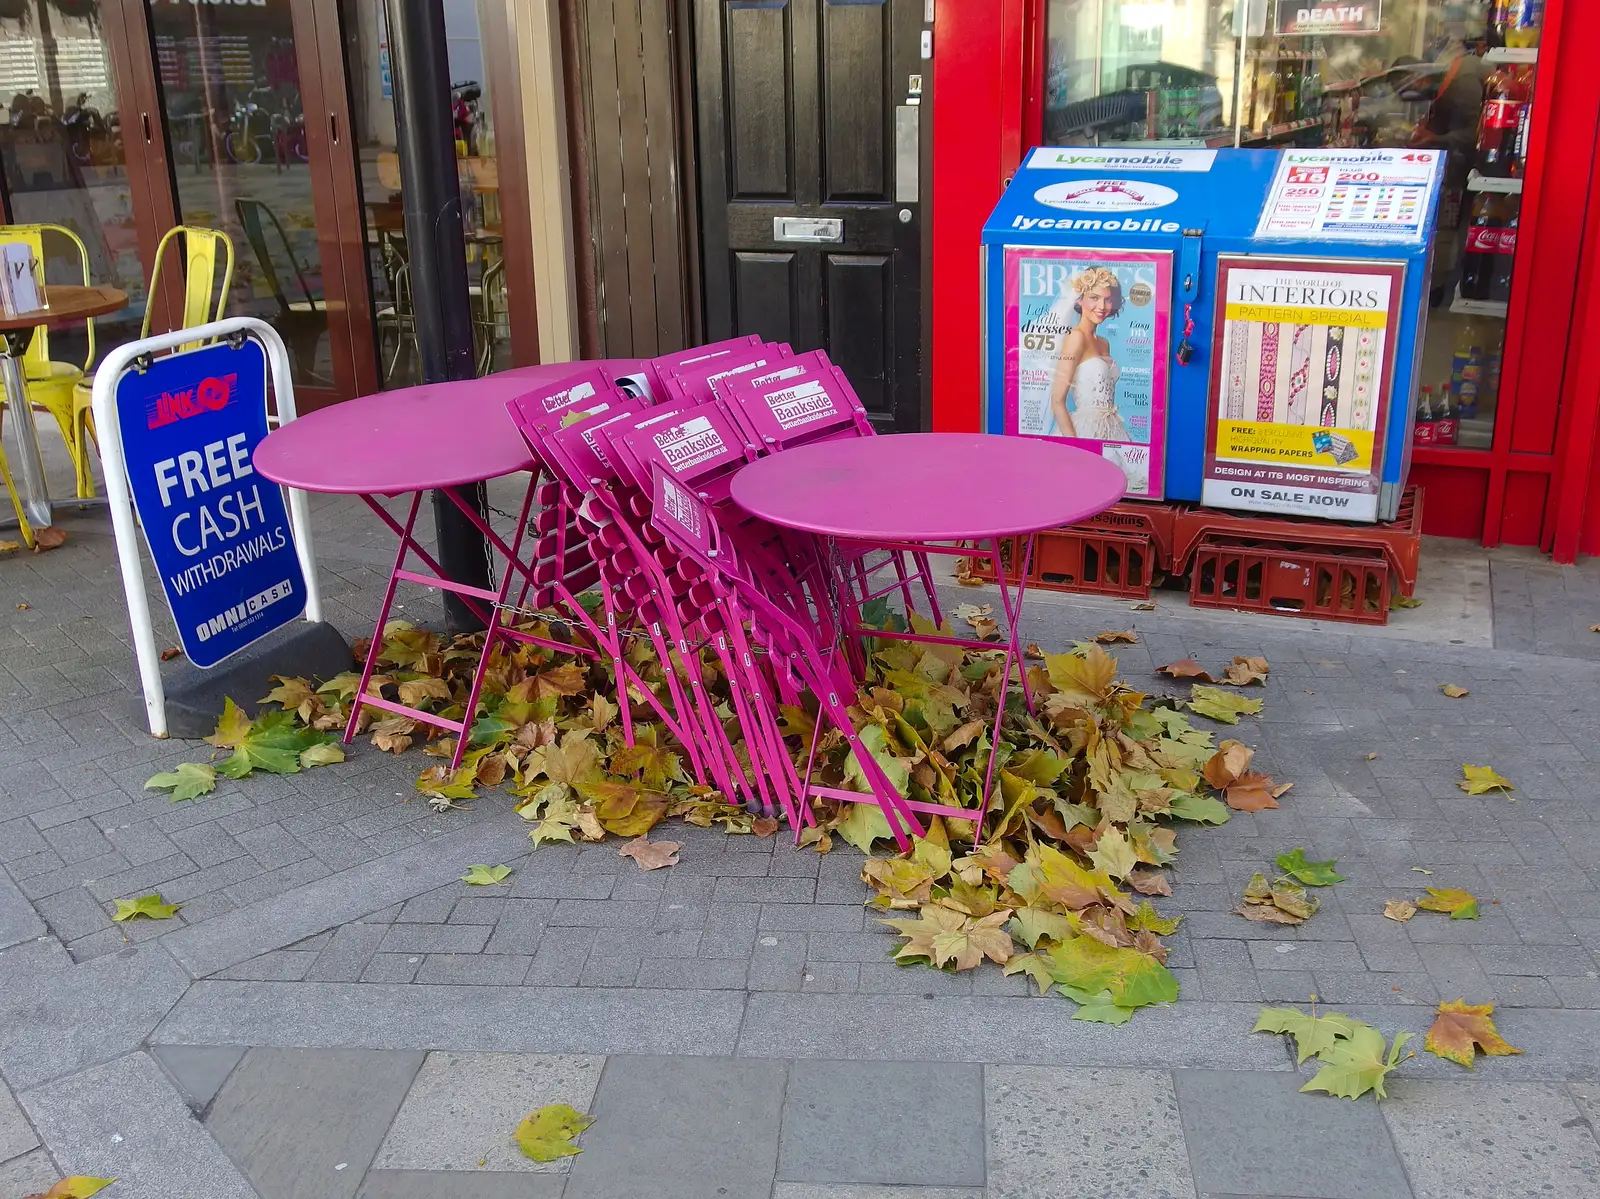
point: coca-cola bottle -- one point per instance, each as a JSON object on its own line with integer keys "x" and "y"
{"x": 1484, "y": 224}
{"x": 1425, "y": 431}
{"x": 1446, "y": 419}
{"x": 1505, "y": 95}
{"x": 1506, "y": 250}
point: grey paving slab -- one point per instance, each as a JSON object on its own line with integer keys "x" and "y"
{"x": 1003, "y": 1029}
{"x": 1055, "y": 1131}
{"x": 463, "y": 1109}
{"x": 198, "y": 1070}
{"x": 308, "y": 1122}
{"x": 1254, "y": 1133}
{"x": 343, "y": 896}
{"x": 437, "y": 1184}
{"x": 16, "y": 1135}
{"x": 55, "y": 1018}
{"x": 1473, "y": 1140}
{"x": 123, "y": 1119}
{"x": 401, "y": 1016}
{"x": 693, "y": 1127}
{"x": 850, "y": 1122}
{"x": 18, "y": 921}
{"x": 850, "y": 1190}
{"x": 30, "y": 1174}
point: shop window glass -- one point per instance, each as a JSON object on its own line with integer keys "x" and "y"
{"x": 1456, "y": 75}
{"x": 372, "y": 98}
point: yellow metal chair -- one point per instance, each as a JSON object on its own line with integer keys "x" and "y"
{"x": 50, "y": 384}
{"x": 202, "y": 250}
{"x": 11, "y": 489}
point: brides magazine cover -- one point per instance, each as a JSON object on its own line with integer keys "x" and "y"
{"x": 1086, "y": 332}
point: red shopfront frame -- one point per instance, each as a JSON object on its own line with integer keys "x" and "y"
{"x": 1539, "y": 482}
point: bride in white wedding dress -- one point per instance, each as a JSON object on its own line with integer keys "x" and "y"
{"x": 1085, "y": 366}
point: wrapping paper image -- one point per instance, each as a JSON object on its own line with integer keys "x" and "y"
{"x": 1086, "y": 333}
{"x": 1301, "y": 383}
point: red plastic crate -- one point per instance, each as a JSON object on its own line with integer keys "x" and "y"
{"x": 1399, "y": 540}
{"x": 1156, "y": 521}
{"x": 1093, "y": 562}
{"x": 1321, "y": 584}
{"x": 1079, "y": 560}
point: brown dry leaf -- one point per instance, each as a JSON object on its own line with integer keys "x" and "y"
{"x": 1400, "y": 910}
{"x": 1033, "y": 651}
{"x": 1112, "y": 637}
{"x": 1594, "y": 628}
{"x": 1370, "y": 757}
{"x": 1462, "y": 1029}
{"x": 394, "y": 734}
{"x": 49, "y": 538}
{"x": 1185, "y": 668}
{"x": 23, "y": 607}
{"x": 1149, "y": 882}
{"x": 589, "y": 826}
{"x": 1144, "y": 606}
{"x": 1268, "y": 914}
{"x": 964, "y": 574}
{"x": 9, "y": 547}
{"x": 651, "y": 855}
{"x": 986, "y": 628}
{"x": 765, "y": 826}
{"x": 1243, "y": 671}
{"x": 1453, "y": 691}
{"x": 1230, "y": 761}
{"x": 492, "y": 770}
{"x": 170, "y": 653}
{"x": 964, "y": 735}
{"x": 1253, "y": 792}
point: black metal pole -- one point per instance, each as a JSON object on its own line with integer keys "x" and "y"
{"x": 430, "y": 192}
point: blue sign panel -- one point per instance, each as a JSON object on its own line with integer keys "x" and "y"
{"x": 218, "y": 531}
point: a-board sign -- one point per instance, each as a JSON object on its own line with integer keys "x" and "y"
{"x": 218, "y": 532}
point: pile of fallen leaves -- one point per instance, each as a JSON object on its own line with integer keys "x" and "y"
{"x": 1088, "y": 787}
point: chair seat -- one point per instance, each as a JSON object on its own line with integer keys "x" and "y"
{"x": 56, "y": 374}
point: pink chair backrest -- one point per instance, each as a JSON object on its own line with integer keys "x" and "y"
{"x": 578, "y": 391}
{"x": 696, "y": 381}
{"x": 701, "y": 446}
{"x": 817, "y": 405}
{"x": 658, "y": 368}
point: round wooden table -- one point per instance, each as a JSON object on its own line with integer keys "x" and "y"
{"x": 67, "y": 305}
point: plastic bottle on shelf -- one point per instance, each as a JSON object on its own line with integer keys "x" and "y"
{"x": 1446, "y": 419}
{"x": 1466, "y": 368}
{"x": 1425, "y": 431}
{"x": 1505, "y": 258}
{"x": 1518, "y": 22}
{"x": 1506, "y": 94}
{"x": 1478, "y": 264}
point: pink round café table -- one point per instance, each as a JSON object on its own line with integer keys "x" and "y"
{"x": 928, "y": 487}
{"x": 414, "y": 439}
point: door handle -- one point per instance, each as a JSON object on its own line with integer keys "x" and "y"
{"x": 907, "y": 153}
{"x": 333, "y": 127}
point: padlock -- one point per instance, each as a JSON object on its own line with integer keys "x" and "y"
{"x": 1184, "y": 352}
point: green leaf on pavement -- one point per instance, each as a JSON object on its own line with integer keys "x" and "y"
{"x": 1097, "y": 1006}
{"x": 79, "y": 1186}
{"x": 1202, "y": 809}
{"x": 486, "y": 876}
{"x": 1133, "y": 979}
{"x": 1312, "y": 874}
{"x": 231, "y": 727}
{"x": 1226, "y": 706}
{"x": 1462, "y": 905}
{"x": 1357, "y": 1064}
{"x": 328, "y": 753}
{"x": 274, "y": 743}
{"x": 190, "y": 780}
{"x": 145, "y": 905}
{"x": 1479, "y": 780}
{"x": 546, "y": 1134}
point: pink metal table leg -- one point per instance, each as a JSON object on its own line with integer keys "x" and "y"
{"x": 1013, "y": 654}
{"x": 376, "y": 646}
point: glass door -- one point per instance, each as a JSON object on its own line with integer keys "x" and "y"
{"x": 366, "y": 59}
{"x": 256, "y": 146}
{"x": 70, "y": 153}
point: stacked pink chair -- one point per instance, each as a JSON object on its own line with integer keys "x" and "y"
{"x": 638, "y": 506}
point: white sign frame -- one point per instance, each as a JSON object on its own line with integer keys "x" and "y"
{"x": 109, "y": 430}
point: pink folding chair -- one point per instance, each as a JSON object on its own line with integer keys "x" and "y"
{"x": 653, "y": 371}
{"x": 766, "y": 631}
{"x": 696, "y": 381}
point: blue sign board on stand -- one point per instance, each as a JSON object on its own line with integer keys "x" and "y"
{"x": 219, "y": 532}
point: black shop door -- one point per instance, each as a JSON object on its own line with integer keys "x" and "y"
{"x": 809, "y": 118}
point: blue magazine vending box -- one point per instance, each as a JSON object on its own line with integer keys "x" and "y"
{"x": 1238, "y": 327}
